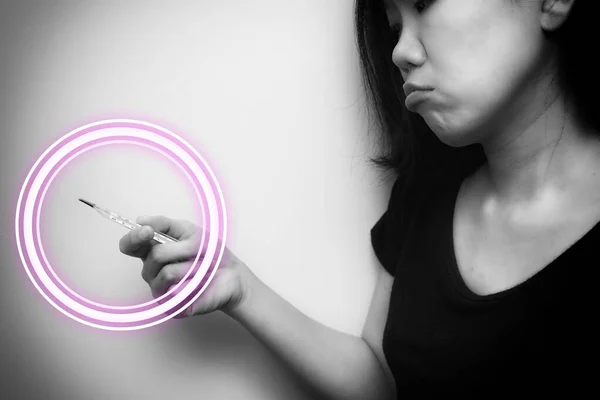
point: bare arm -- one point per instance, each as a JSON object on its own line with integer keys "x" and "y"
{"x": 374, "y": 325}
{"x": 338, "y": 365}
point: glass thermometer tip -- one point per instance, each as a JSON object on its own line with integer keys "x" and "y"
{"x": 158, "y": 236}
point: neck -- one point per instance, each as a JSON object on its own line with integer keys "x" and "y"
{"x": 546, "y": 152}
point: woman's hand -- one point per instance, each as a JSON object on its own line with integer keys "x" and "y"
{"x": 164, "y": 265}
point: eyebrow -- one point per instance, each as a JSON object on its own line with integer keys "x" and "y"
{"x": 391, "y": 9}
{"x": 390, "y": 4}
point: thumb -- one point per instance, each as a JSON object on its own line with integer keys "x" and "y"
{"x": 161, "y": 223}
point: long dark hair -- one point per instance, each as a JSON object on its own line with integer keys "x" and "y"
{"x": 407, "y": 146}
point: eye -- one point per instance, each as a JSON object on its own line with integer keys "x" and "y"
{"x": 422, "y": 5}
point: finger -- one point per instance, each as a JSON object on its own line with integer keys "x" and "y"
{"x": 179, "y": 229}
{"x": 168, "y": 276}
{"x": 168, "y": 253}
{"x": 137, "y": 243}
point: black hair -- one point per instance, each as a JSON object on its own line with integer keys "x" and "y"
{"x": 407, "y": 146}
{"x": 578, "y": 65}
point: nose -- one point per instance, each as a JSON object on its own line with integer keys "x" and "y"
{"x": 408, "y": 53}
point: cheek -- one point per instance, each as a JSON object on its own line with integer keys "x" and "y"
{"x": 477, "y": 96}
{"x": 476, "y": 100}
{"x": 460, "y": 116}
{"x": 475, "y": 82}
{"x": 480, "y": 53}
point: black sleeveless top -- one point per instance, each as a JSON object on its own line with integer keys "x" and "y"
{"x": 441, "y": 338}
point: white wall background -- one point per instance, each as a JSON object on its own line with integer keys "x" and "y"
{"x": 269, "y": 92}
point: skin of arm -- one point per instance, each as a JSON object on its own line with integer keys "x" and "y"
{"x": 335, "y": 364}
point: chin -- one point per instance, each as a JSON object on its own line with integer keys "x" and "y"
{"x": 454, "y": 135}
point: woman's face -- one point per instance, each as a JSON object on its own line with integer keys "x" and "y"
{"x": 482, "y": 59}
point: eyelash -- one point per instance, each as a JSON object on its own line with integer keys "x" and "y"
{"x": 422, "y": 2}
{"x": 397, "y": 28}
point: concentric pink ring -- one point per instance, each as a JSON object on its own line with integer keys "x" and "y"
{"x": 39, "y": 248}
{"x": 39, "y": 205}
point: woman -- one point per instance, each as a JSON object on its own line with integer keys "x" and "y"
{"x": 488, "y": 124}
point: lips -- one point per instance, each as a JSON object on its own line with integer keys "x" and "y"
{"x": 411, "y": 87}
{"x": 415, "y": 94}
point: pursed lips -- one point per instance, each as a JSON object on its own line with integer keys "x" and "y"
{"x": 415, "y": 94}
{"x": 411, "y": 87}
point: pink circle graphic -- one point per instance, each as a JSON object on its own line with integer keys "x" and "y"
{"x": 65, "y": 160}
{"x": 72, "y": 145}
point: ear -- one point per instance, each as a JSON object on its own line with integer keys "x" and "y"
{"x": 555, "y": 13}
